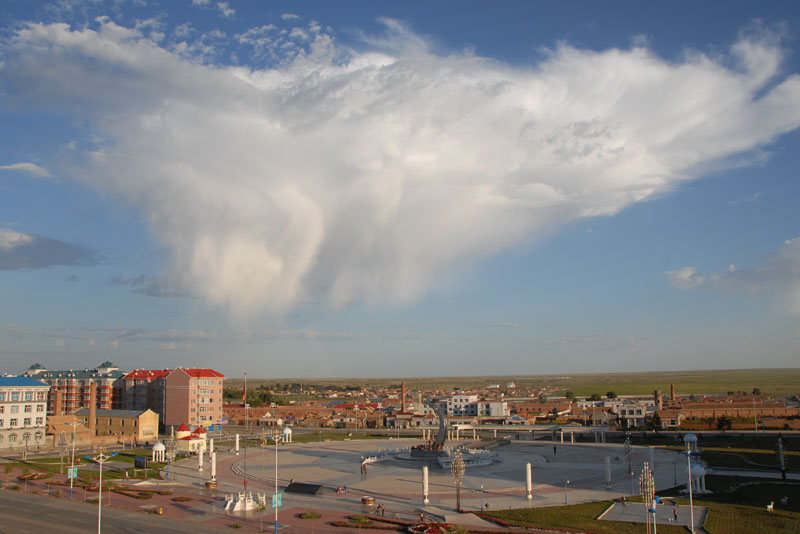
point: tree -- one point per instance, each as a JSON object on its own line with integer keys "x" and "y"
{"x": 723, "y": 423}
{"x": 570, "y": 395}
{"x": 594, "y": 397}
{"x": 655, "y": 422}
{"x": 611, "y": 395}
{"x": 756, "y": 391}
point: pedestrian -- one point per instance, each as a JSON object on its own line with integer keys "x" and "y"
{"x": 675, "y": 512}
{"x": 421, "y": 517}
{"x": 554, "y": 450}
{"x": 383, "y": 510}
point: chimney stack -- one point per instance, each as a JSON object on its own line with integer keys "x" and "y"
{"x": 403, "y": 396}
{"x": 58, "y": 409}
{"x": 672, "y": 393}
{"x": 92, "y": 408}
{"x": 658, "y": 399}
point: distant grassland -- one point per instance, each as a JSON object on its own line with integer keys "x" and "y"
{"x": 777, "y": 382}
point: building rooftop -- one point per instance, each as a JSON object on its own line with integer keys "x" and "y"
{"x": 112, "y": 413}
{"x": 20, "y": 381}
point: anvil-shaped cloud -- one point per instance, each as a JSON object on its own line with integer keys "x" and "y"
{"x": 369, "y": 175}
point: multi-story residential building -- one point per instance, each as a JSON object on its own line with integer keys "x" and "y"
{"x": 458, "y": 404}
{"x": 181, "y": 395}
{"x": 75, "y": 387}
{"x": 23, "y": 412}
{"x": 140, "y": 425}
{"x": 144, "y": 389}
{"x": 193, "y": 396}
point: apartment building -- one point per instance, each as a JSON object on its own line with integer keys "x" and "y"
{"x": 72, "y": 388}
{"x": 181, "y": 395}
{"x": 23, "y": 412}
{"x": 193, "y": 396}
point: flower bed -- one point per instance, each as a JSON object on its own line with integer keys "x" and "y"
{"x": 433, "y": 528}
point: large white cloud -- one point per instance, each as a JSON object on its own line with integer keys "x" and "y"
{"x": 370, "y": 175}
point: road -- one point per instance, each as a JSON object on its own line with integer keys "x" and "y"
{"x": 30, "y": 514}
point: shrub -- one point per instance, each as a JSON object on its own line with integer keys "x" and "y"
{"x": 182, "y": 498}
{"x": 310, "y": 514}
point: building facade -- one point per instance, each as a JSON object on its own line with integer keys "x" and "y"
{"x": 193, "y": 396}
{"x": 144, "y": 389}
{"x": 75, "y": 387}
{"x": 142, "y": 426}
{"x": 23, "y": 412}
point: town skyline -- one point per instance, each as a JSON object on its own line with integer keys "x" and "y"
{"x": 391, "y": 190}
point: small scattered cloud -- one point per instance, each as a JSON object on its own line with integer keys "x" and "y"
{"x": 686, "y": 278}
{"x": 201, "y": 2}
{"x": 776, "y": 274}
{"x": 28, "y": 168}
{"x": 225, "y": 10}
{"x": 289, "y": 16}
{"x": 752, "y": 199}
{"x": 152, "y": 286}
{"x": 19, "y": 251}
{"x": 72, "y": 279}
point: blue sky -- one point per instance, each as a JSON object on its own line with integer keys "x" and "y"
{"x": 399, "y": 189}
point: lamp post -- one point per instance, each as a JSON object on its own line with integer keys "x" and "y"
{"x": 62, "y": 451}
{"x": 691, "y": 503}
{"x": 71, "y": 475}
{"x": 170, "y": 447}
{"x": 457, "y": 468}
{"x": 648, "y": 488}
{"x": 100, "y": 459}
{"x": 481, "y": 497}
{"x": 264, "y": 442}
{"x": 629, "y": 457}
{"x": 566, "y": 483}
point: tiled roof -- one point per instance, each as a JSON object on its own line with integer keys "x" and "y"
{"x": 182, "y": 428}
{"x": 111, "y": 413}
{"x": 202, "y": 373}
{"x": 78, "y": 375}
{"x": 144, "y": 373}
{"x": 20, "y": 381}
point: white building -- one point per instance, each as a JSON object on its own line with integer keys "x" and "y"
{"x": 23, "y": 412}
{"x": 459, "y": 404}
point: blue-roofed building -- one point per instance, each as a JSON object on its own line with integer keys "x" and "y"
{"x": 23, "y": 412}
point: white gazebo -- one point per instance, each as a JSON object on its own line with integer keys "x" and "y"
{"x": 159, "y": 452}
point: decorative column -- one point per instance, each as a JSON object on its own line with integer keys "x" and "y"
{"x": 425, "y": 484}
{"x": 200, "y": 452}
{"x": 213, "y": 466}
{"x": 528, "y": 484}
{"x": 210, "y": 445}
{"x": 458, "y": 468}
{"x": 237, "y": 444}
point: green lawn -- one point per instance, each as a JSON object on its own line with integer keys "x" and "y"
{"x": 577, "y": 516}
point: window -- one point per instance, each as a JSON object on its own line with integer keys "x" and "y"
{"x": 38, "y": 436}
{"x": 12, "y": 438}
{"x": 2, "y": 409}
{"x": 41, "y": 395}
{"x": 40, "y": 408}
{"x": 1, "y": 423}
{"x": 40, "y": 420}
{"x": 2, "y": 397}
{"x": 15, "y": 409}
{"x": 28, "y": 408}
{"x": 12, "y": 422}
{"x": 26, "y": 421}
{"x": 15, "y": 395}
{"x": 29, "y": 395}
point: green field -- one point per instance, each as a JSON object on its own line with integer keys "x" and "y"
{"x": 777, "y": 382}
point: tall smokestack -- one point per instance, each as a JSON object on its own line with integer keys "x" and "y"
{"x": 92, "y": 408}
{"x": 672, "y": 392}
{"x": 658, "y": 399}
{"x": 58, "y": 409}
{"x": 403, "y": 396}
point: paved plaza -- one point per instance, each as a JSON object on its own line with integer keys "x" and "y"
{"x": 397, "y": 483}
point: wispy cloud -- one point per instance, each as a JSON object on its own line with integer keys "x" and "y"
{"x": 152, "y": 286}
{"x": 410, "y": 147}
{"x": 19, "y": 251}
{"x": 28, "y": 168}
{"x": 751, "y": 199}
{"x": 289, "y": 16}
{"x": 776, "y": 274}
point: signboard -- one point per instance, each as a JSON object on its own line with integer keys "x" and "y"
{"x": 277, "y": 500}
{"x": 140, "y": 462}
{"x": 72, "y": 472}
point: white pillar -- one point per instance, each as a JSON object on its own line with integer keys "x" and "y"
{"x": 528, "y": 484}
{"x": 210, "y": 445}
{"x": 572, "y": 437}
{"x": 425, "y": 484}
{"x": 200, "y": 452}
{"x": 562, "y": 436}
{"x": 237, "y": 444}
{"x": 213, "y": 466}
{"x": 608, "y": 471}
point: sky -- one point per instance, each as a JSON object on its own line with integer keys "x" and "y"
{"x": 326, "y": 189}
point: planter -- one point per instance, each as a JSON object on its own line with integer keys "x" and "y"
{"x": 369, "y": 501}
{"x": 211, "y": 484}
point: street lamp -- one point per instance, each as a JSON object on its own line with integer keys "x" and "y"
{"x": 100, "y": 459}
{"x": 629, "y": 457}
{"x": 566, "y": 483}
{"x": 275, "y": 499}
{"x": 481, "y": 497}
{"x": 72, "y": 473}
{"x": 691, "y": 504}
{"x": 457, "y": 468}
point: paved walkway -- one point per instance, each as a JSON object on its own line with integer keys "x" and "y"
{"x": 635, "y": 513}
